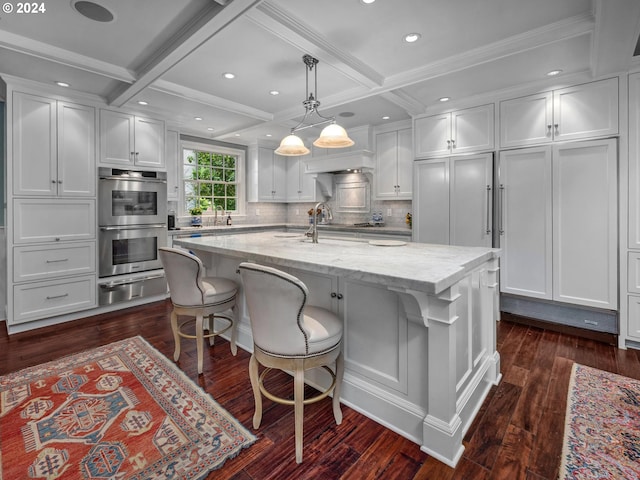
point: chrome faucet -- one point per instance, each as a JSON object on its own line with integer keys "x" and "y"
{"x": 313, "y": 229}
{"x": 216, "y": 222}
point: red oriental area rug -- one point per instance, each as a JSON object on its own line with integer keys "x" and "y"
{"x": 121, "y": 411}
{"x": 602, "y": 429}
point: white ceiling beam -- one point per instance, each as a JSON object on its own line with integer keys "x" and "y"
{"x": 206, "y": 26}
{"x": 616, "y": 32}
{"x": 295, "y": 32}
{"x": 34, "y": 48}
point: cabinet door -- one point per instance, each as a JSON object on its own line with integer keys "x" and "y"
{"x": 431, "y": 203}
{"x": 293, "y": 179}
{"x": 584, "y": 111}
{"x": 279, "y": 178}
{"x": 308, "y": 185}
{"x": 525, "y": 222}
{"x": 405, "y": 164}
{"x": 34, "y": 145}
{"x": 585, "y": 268}
{"x": 526, "y": 120}
{"x": 633, "y": 328}
{"x": 432, "y": 135}
{"x": 265, "y": 174}
{"x": 386, "y": 165}
{"x": 76, "y": 150}
{"x": 53, "y": 220}
{"x": 149, "y": 142}
{"x": 472, "y": 129}
{"x": 470, "y": 180}
{"x": 174, "y": 162}
{"x": 116, "y": 138}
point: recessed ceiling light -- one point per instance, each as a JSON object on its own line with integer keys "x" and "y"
{"x": 228, "y": 75}
{"x": 274, "y": 92}
{"x": 386, "y": 117}
{"x": 142, "y": 102}
{"x": 197, "y": 118}
{"x": 269, "y": 135}
{"x": 444, "y": 99}
{"x": 237, "y": 134}
{"x": 63, "y": 84}
{"x": 367, "y": 2}
{"x": 553, "y": 73}
{"x": 412, "y": 37}
{"x": 93, "y": 11}
{"x": 210, "y": 129}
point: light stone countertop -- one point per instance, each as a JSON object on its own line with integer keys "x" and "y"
{"x": 420, "y": 266}
{"x": 403, "y": 232}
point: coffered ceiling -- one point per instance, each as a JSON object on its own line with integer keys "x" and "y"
{"x": 173, "y": 54}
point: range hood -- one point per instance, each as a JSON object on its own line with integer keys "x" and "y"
{"x": 341, "y": 162}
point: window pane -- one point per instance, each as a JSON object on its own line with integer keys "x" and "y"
{"x": 230, "y": 162}
{"x": 218, "y": 189}
{"x": 191, "y": 202}
{"x": 188, "y": 156}
{"x": 231, "y": 190}
{"x": 231, "y": 204}
{"x": 217, "y": 160}
{"x": 204, "y": 190}
{"x": 229, "y": 176}
{"x": 218, "y": 174}
{"x": 188, "y": 172}
{"x": 204, "y": 158}
{"x": 189, "y": 188}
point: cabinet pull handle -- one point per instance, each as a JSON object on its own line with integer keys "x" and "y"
{"x": 53, "y": 297}
{"x": 340, "y": 296}
{"x": 57, "y": 239}
{"x": 57, "y": 261}
{"x": 501, "y": 214}
{"x": 448, "y": 144}
{"x": 555, "y": 125}
{"x": 453, "y": 143}
{"x": 549, "y": 130}
{"x": 334, "y": 294}
{"x": 488, "y": 231}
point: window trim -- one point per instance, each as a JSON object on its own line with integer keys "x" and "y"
{"x": 241, "y": 169}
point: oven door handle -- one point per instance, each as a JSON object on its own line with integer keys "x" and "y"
{"x": 119, "y": 283}
{"x": 135, "y": 179}
{"x": 133, "y": 227}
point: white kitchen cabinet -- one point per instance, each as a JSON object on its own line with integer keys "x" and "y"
{"x": 40, "y": 262}
{"x": 301, "y": 186}
{"x": 272, "y": 176}
{"x": 461, "y": 131}
{"x": 36, "y": 300}
{"x": 53, "y": 147}
{"x": 129, "y": 140}
{"x": 578, "y": 112}
{"x": 53, "y": 220}
{"x": 394, "y": 165}
{"x": 633, "y": 237}
{"x": 454, "y": 201}
{"x": 558, "y": 223}
{"x": 525, "y": 222}
{"x": 174, "y": 165}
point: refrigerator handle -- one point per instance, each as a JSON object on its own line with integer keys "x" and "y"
{"x": 501, "y": 212}
{"x": 488, "y": 230}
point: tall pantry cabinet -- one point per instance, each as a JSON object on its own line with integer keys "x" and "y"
{"x": 51, "y": 223}
{"x": 557, "y": 204}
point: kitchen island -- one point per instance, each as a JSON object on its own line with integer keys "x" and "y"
{"x": 419, "y": 323}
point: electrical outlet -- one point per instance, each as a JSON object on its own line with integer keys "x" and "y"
{"x": 257, "y": 212}
{"x": 388, "y": 212}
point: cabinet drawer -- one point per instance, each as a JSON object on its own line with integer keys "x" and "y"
{"x": 37, "y": 300}
{"x": 40, "y": 262}
{"x": 49, "y": 220}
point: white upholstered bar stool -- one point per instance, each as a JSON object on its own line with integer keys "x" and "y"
{"x": 290, "y": 335}
{"x": 197, "y": 296}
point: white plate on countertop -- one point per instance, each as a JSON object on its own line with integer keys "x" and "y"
{"x": 387, "y": 243}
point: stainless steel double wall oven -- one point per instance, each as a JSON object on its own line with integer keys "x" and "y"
{"x": 132, "y": 214}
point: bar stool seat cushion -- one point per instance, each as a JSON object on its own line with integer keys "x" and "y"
{"x": 218, "y": 290}
{"x": 324, "y": 329}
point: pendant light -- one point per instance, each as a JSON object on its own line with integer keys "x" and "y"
{"x": 332, "y": 136}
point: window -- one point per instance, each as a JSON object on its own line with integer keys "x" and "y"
{"x": 211, "y": 178}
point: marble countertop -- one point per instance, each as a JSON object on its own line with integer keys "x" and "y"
{"x": 405, "y": 232}
{"x": 419, "y": 266}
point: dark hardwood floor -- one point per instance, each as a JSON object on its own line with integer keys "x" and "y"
{"x": 516, "y": 435}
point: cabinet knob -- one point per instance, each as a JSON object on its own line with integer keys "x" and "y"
{"x": 57, "y": 239}
{"x": 340, "y": 296}
{"x": 53, "y": 181}
{"x": 448, "y": 143}
{"x": 60, "y": 181}
{"x": 334, "y": 294}
{"x": 453, "y": 144}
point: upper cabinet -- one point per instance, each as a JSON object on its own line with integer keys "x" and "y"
{"x": 53, "y": 147}
{"x": 272, "y": 168}
{"x": 394, "y": 165}
{"x": 131, "y": 140}
{"x": 301, "y": 186}
{"x": 461, "y": 131}
{"x": 582, "y": 111}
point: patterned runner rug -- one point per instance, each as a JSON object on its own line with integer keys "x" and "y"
{"x": 121, "y": 411}
{"x": 602, "y": 426}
